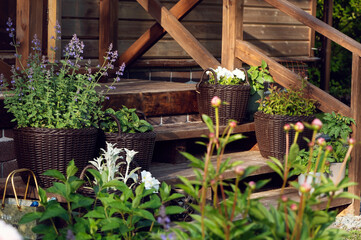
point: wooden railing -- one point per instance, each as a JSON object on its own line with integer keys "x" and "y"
{"x": 250, "y": 55}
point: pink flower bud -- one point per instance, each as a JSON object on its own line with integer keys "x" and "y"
{"x": 329, "y": 148}
{"x": 287, "y": 127}
{"x": 252, "y": 185}
{"x": 311, "y": 144}
{"x": 299, "y": 127}
{"x": 232, "y": 124}
{"x": 294, "y": 207}
{"x": 213, "y": 182}
{"x": 351, "y": 141}
{"x": 321, "y": 141}
{"x": 284, "y": 198}
{"x": 221, "y": 177}
{"x": 216, "y": 101}
{"x": 305, "y": 187}
{"x": 239, "y": 170}
{"x": 211, "y": 135}
{"x": 316, "y": 124}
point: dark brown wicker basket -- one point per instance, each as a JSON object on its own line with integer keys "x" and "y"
{"x": 271, "y": 137}
{"x": 143, "y": 143}
{"x": 235, "y": 95}
{"x": 41, "y": 149}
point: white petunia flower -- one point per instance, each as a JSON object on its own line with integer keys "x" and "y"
{"x": 149, "y": 181}
{"x": 239, "y": 74}
{"x": 8, "y": 232}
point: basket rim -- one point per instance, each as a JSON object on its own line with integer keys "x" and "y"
{"x": 217, "y": 85}
{"x": 261, "y": 114}
{"x": 53, "y": 130}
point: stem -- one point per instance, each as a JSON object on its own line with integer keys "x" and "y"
{"x": 311, "y": 152}
{"x": 286, "y": 221}
{"x": 318, "y": 158}
{"x": 299, "y": 218}
{"x": 324, "y": 161}
{"x": 344, "y": 164}
{"x": 285, "y": 175}
{"x": 55, "y": 229}
{"x": 235, "y": 198}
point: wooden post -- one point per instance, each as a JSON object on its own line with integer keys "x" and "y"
{"x": 313, "y": 7}
{"x": 232, "y": 29}
{"x": 108, "y": 27}
{"x": 29, "y": 21}
{"x": 326, "y": 47}
{"x": 355, "y": 164}
{"x": 54, "y": 17}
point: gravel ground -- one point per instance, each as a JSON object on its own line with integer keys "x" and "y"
{"x": 347, "y": 222}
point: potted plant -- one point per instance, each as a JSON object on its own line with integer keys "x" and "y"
{"x": 56, "y": 108}
{"x": 257, "y": 76}
{"x": 127, "y": 130}
{"x": 230, "y": 86}
{"x": 281, "y": 106}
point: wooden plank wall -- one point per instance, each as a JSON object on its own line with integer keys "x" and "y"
{"x": 264, "y": 26}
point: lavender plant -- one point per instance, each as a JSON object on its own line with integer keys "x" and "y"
{"x": 56, "y": 94}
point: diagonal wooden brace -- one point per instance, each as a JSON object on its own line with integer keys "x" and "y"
{"x": 180, "y": 34}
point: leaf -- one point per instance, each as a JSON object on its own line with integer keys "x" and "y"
{"x": 294, "y": 150}
{"x": 29, "y": 217}
{"x": 144, "y": 214}
{"x": 71, "y": 169}
{"x": 208, "y": 121}
{"x": 111, "y": 223}
{"x": 174, "y": 210}
{"x": 55, "y": 174}
{"x": 275, "y": 168}
{"x": 54, "y": 210}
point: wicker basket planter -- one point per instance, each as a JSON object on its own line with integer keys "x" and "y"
{"x": 271, "y": 137}
{"x": 236, "y": 95}
{"x": 143, "y": 143}
{"x": 41, "y": 149}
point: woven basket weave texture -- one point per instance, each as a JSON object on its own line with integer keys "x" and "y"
{"x": 271, "y": 137}
{"x": 41, "y": 149}
{"x": 236, "y": 96}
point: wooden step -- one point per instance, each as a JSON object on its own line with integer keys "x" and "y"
{"x": 169, "y": 172}
{"x": 154, "y": 98}
{"x": 177, "y": 131}
{"x": 271, "y": 198}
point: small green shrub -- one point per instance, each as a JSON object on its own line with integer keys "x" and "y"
{"x": 287, "y": 102}
{"x": 258, "y": 75}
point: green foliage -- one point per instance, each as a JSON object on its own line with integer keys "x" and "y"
{"x": 338, "y": 128}
{"x": 287, "y": 102}
{"x": 125, "y": 214}
{"x": 129, "y": 121}
{"x": 258, "y": 75}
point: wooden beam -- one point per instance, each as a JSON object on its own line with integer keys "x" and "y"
{"x": 355, "y": 164}
{"x": 54, "y": 17}
{"x": 29, "y": 21}
{"x": 250, "y": 55}
{"x": 108, "y": 26}
{"x": 326, "y": 48}
{"x": 316, "y": 24}
{"x": 232, "y": 29}
{"x": 183, "y": 37}
{"x": 313, "y": 7}
{"x": 155, "y": 33}
{"x": 6, "y": 70}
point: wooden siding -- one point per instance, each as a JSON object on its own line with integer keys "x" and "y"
{"x": 264, "y": 26}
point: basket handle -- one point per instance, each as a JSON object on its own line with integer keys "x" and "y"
{"x": 82, "y": 174}
{"x": 11, "y": 175}
{"x": 202, "y": 77}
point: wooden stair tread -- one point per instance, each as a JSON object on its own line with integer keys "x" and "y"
{"x": 271, "y": 197}
{"x": 192, "y": 130}
{"x": 169, "y": 172}
{"x": 154, "y": 98}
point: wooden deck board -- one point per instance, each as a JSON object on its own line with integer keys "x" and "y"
{"x": 169, "y": 172}
{"x": 154, "y": 98}
{"x": 192, "y": 130}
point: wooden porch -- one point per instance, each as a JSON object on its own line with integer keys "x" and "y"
{"x": 237, "y": 43}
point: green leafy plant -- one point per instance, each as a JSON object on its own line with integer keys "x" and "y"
{"x": 227, "y": 77}
{"x": 129, "y": 121}
{"x": 49, "y": 94}
{"x": 127, "y": 215}
{"x": 258, "y": 75}
{"x": 338, "y": 128}
{"x": 287, "y": 102}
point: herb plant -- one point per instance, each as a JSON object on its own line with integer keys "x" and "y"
{"x": 129, "y": 215}
{"x": 129, "y": 121}
{"x": 56, "y": 94}
{"x": 338, "y": 128}
{"x": 258, "y": 75}
{"x": 287, "y": 102}
{"x": 227, "y": 77}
